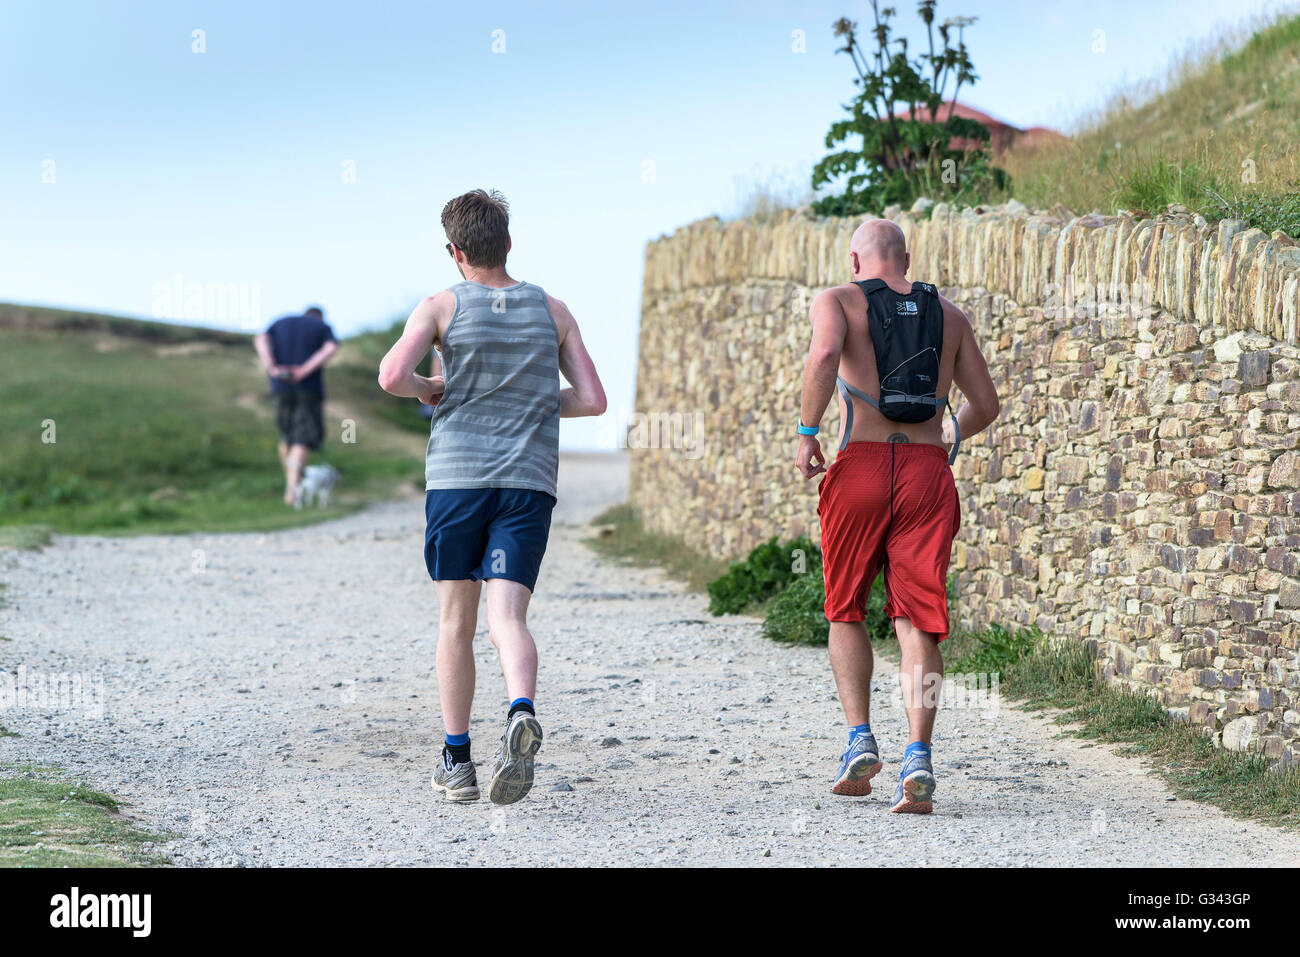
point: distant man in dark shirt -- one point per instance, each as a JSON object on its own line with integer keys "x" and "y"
{"x": 294, "y": 351}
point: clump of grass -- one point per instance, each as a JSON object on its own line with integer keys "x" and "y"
{"x": 1267, "y": 212}
{"x": 1203, "y": 190}
{"x": 1059, "y": 674}
{"x": 622, "y": 537}
{"x": 767, "y": 569}
{"x": 993, "y": 649}
{"x": 1161, "y": 183}
{"x": 24, "y": 536}
{"x": 46, "y": 821}
{"x": 796, "y": 615}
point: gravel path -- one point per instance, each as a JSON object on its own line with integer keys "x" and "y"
{"x": 270, "y": 699}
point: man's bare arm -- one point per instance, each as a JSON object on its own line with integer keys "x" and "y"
{"x": 819, "y": 371}
{"x": 970, "y": 373}
{"x": 823, "y": 362}
{"x": 585, "y": 395}
{"x": 397, "y": 373}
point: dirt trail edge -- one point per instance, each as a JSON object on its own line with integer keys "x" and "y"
{"x": 270, "y": 698}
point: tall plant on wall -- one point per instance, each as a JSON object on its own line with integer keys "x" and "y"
{"x": 911, "y": 144}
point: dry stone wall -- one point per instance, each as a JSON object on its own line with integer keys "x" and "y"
{"x": 1141, "y": 488}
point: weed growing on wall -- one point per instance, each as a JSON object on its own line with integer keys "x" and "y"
{"x": 910, "y": 145}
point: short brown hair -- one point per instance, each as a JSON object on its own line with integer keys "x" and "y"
{"x": 477, "y": 223}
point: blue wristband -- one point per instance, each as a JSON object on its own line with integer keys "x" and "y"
{"x": 807, "y": 429}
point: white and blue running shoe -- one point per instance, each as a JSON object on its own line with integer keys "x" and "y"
{"x": 915, "y": 785}
{"x": 861, "y": 762}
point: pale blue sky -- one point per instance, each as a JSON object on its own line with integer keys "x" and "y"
{"x": 227, "y": 166}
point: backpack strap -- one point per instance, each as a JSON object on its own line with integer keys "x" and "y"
{"x": 870, "y": 286}
{"x": 933, "y": 290}
{"x": 848, "y": 391}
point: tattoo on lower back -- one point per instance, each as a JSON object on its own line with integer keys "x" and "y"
{"x": 899, "y": 437}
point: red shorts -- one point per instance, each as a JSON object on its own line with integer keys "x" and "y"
{"x": 859, "y": 535}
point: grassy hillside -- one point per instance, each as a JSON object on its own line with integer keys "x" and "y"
{"x": 354, "y": 370}
{"x": 168, "y": 428}
{"x": 1219, "y": 136}
{"x": 46, "y": 820}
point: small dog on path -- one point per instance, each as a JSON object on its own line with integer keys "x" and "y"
{"x": 317, "y": 483}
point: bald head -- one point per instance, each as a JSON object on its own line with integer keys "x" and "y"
{"x": 880, "y": 246}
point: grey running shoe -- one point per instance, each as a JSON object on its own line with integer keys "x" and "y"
{"x": 915, "y": 786}
{"x": 861, "y": 762}
{"x": 457, "y": 782}
{"x": 512, "y": 770}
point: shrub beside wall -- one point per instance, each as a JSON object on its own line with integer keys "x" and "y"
{"x": 1141, "y": 489}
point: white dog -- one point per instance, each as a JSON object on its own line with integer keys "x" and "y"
{"x": 317, "y": 483}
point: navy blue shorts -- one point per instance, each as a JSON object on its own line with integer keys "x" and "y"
{"x": 478, "y": 533}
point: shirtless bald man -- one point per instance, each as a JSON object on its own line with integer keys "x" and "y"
{"x": 889, "y": 500}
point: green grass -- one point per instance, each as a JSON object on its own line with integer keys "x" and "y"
{"x": 796, "y": 616}
{"x": 356, "y": 370}
{"x": 622, "y": 538}
{"x": 767, "y": 570}
{"x": 1219, "y": 135}
{"x": 1161, "y": 183}
{"x": 24, "y": 536}
{"x": 47, "y": 822}
{"x": 990, "y": 650}
{"x": 1264, "y": 47}
{"x": 1157, "y": 185}
{"x": 162, "y": 429}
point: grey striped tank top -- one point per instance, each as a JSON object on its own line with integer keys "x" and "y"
{"x": 498, "y": 423}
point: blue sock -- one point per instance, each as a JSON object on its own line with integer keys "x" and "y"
{"x": 458, "y": 739}
{"x": 916, "y": 746}
{"x": 857, "y": 729}
{"x": 520, "y": 704}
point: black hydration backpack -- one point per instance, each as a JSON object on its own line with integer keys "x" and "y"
{"x": 907, "y": 334}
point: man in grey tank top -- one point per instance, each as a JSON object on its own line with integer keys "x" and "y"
{"x": 490, "y": 472}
